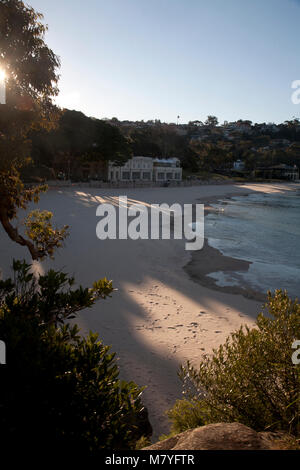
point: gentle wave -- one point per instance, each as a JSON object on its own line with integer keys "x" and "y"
{"x": 263, "y": 229}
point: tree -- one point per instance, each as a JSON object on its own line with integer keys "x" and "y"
{"x": 211, "y": 121}
{"x": 61, "y": 392}
{"x": 77, "y": 139}
{"x": 190, "y": 161}
{"x": 251, "y": 378}
{"x": 213, "y": 155}
{"x": 31, "y": 83}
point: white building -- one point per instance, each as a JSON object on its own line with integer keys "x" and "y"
{"x": 146, "y": 169}
{"x": 167, "y": 169}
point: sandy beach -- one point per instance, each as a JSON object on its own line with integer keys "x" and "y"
{"x": 165, "y": 310}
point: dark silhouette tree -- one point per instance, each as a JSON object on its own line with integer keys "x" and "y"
{"x": 30, "y": 68}
{"x": 211, "y": 121}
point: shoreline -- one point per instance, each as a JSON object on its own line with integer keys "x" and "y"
{"x": 159, "y": 317}
{"x": 209, "y": 259}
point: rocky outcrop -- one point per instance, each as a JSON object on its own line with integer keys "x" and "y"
{"x": 220, "y": 436}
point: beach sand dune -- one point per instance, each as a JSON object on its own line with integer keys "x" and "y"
{"x": 159, "y": 317}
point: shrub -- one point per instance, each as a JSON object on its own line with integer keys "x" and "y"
{"x": 251, "y": 378}
{"x": 60, "y": 391}
{"x": 187, "y": 414}
{"x": 142, "y": 442}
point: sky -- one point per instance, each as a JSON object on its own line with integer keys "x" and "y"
{"x": 159, "y": 59}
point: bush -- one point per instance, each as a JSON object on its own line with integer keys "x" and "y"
{"x": 251, "y": 378}
{"x": 60, "y": 391}
{"x": 186, "y": 414}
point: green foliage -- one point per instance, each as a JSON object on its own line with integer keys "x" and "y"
{"x": 157, "y": 139}
{"x": 30, "y": 66}
{"x": 251, "y": 378}
{"x": 79, "y": 136}
{"x": 39, "y": 229}
{"x": 31, "y": 83}
{"x": 187, "y": 414}
{"x": 59, "y": 391}
{"x": 211, "y": 121}
{"x": 142, "y": 442}
{"x": 213, "y": 155}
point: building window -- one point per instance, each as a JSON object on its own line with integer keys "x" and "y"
{"x": 146, "y": 175}
{"x": 160, "y": 176}
{"x": 111, "y": 175}
{"x": 177, "y": 176}
{"x": 136, "y": 175}
{"x": 126, "y": 175}
{"x": 169, "y": 176}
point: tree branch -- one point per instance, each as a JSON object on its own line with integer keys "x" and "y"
{"x": 14, "y": 235}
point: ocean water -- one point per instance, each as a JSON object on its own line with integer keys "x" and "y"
{"x": 263, "y": 229}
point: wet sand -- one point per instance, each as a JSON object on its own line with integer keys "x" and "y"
{"x": 209, "y": 260}
{"x": 166, "y": 310}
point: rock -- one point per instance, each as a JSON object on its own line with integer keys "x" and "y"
{"x": 220, "y": 436}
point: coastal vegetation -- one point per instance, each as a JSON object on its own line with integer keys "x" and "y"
{"x": 30, "y": 68}
{"x": 202, "y": 149}
{"x": 250, "y": 379}
{"x": 75, "y": 141}
{"x": 33, "y": 129}
{"x": 210, "y": 145}
{"x": 59, "y": 390}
